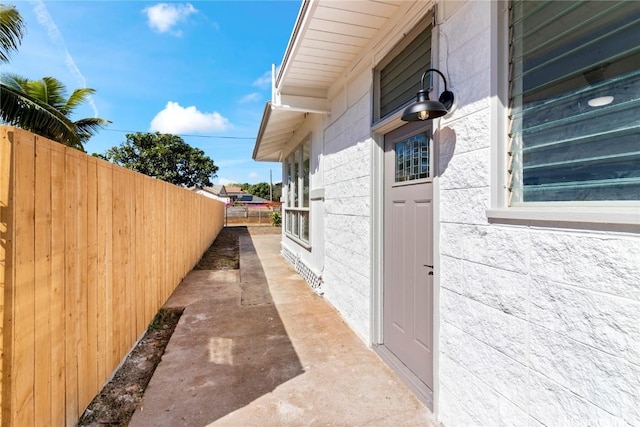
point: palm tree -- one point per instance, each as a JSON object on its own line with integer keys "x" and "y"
{"x": 42, "y": 107}
{"x": 39, "y": 106}
{"x": 12, "y": 30}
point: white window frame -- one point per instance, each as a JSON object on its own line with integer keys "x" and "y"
{"x": 299, "y": 197}
{"x": 622, "y": 212}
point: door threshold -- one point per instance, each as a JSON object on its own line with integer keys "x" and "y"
{"x": 420, "y": 389}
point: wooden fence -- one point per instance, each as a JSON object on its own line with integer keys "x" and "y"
{"x": 89, "y": 252}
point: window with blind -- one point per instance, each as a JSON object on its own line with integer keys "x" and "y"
{"x": 574, "y": 94}
{"x": 296, "y": 212}
{"x": 397, "y": 77}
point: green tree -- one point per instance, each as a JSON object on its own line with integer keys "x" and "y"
{"x": 260, "y": 189}
{"x": 277, "y": 191}
{"x": 166, "y": 157}
{"x": 12, "y": 30}
{"x": 42, "y": 107}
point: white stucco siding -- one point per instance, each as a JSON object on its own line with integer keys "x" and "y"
{"x": 347, "y": 211}
{"x": 538, "y": 324}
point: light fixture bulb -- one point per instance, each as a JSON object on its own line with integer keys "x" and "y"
{"x": 600, "y": 101}
{"x": 423, "y": 115}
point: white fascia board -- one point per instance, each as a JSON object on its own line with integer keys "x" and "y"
{"x": 261, "y": 131}
{"x": 277, "y": 125}
{"x": 299, "y": 30}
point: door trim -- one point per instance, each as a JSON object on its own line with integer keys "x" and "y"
{"x": 377, "y": 222}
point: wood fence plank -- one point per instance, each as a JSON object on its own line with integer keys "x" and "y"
{"x": 130, "y": 236}
{"x": 157, "y": 242}
{"x": 7, "y": 270}
{"x": 117, "y": 306}
{"x": 72, "y": 282}
{"x": 23, "y": 313}
{"x": 42, "y": 388}
{"x": 140, "y": 251}
{"x": 57, "y": 286}
{"x": 106, "y": 362}
{"x": 84, "y": 394}
{"x": 170, "y": 245}
{"x": 93, "y": 381}
{"x": 149, "y": 230}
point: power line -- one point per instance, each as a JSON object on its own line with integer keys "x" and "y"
{"x": 190, "y": 136}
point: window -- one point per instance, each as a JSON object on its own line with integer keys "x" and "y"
{"x": 574, "y": 98}
{"x": 297, "y": 204}
{"x": 397, "y": 77}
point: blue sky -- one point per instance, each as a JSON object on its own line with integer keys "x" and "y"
{"x": 199, "y": 69}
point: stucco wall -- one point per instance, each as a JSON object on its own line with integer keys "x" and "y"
{"x": 538, "y": 324}
{"x": 347, "y": 211}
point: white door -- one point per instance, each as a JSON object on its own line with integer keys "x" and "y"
{"x": 408, "y": 254}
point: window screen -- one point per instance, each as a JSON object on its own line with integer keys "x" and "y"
{"x": 574, "y": 101}
{"x": 397, "y": 77}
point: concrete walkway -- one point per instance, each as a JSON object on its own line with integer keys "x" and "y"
{"x": 257, "y": 347}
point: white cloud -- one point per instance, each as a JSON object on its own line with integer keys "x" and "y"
{"x": 254, "y": 175}
{"x": 53, "y": 32}
{"x": 252, "y": 97}
{"x": 225, "y": 181}
{"x": 163, "y": 16}
{"x": 263, "y": 81}
{"x": 177, "y": 119}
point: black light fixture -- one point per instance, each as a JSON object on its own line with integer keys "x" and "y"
{"x": 426, "y": 109}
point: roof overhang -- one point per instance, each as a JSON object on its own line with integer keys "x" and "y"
{"x": 326, "y": 40}
{"x": 277, "y": 127}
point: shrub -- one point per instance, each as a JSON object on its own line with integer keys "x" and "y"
{"x": 276, "y": 219}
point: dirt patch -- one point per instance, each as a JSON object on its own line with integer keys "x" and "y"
{"x": 119, "y": 398}
{"x": 224, "y": 252}
{"x": 117, "y": 401}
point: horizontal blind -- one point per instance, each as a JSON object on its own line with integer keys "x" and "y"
{"x": 399, "y": 79}
{"x": 574, "y": 101}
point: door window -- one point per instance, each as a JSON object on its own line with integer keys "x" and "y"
{"x": 412, "y": 158}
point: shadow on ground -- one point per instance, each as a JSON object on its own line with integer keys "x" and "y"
{"x": 229, "y": 348}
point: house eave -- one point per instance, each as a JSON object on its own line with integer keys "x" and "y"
{"x": 327, "y": 40}
{"x": 279, "y": 124}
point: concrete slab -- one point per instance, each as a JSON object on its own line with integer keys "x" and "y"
{"x": 262, "y": 349}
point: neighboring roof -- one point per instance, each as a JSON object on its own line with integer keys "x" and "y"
{"x": 327, "y": 38}
{"x": 218, "y": 190}
{"x": 234, "y": 190}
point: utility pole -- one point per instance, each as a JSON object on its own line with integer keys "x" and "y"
{"x": 270, "y": 185}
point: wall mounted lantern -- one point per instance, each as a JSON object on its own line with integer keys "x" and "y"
{"x": 426, "y": 109}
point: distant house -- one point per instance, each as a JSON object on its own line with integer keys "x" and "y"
{"x": 231, "y": 195}
{"x": 234, "y": 193}
{"x": 227, "y": 195}
{"x": 491, "y": 256}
